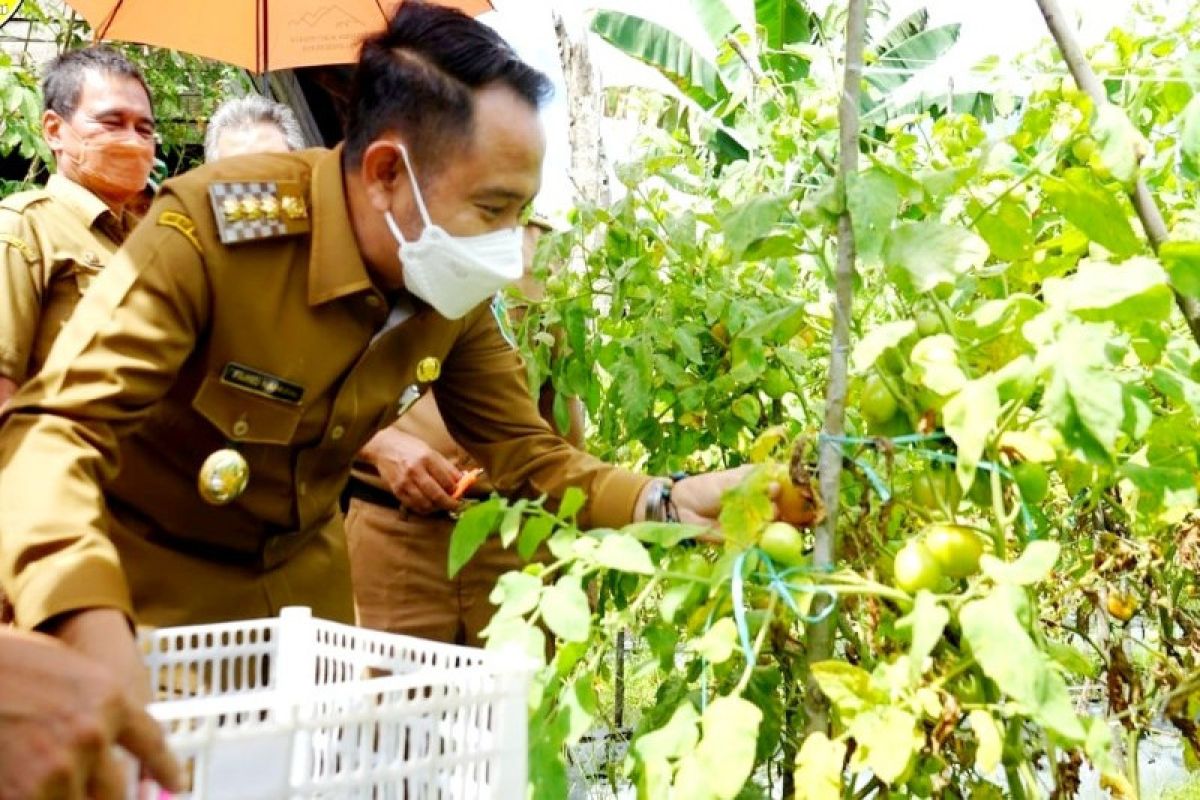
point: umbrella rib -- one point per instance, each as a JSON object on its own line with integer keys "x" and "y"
{"x": 102, "y": 31}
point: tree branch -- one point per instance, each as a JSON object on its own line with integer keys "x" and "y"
{"x": 1143, "y": 201}
{"x": 821, "y": 635}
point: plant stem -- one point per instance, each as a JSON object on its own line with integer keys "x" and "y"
{"x": 821, "y": 635}
{"x": 1143, "y": 201}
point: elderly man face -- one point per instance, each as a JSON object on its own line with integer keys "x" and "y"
{"x": 258, "y": 137}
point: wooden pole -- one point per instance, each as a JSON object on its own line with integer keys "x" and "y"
{"x": 1143, "y": 201}
{"x": 821, "y": 635}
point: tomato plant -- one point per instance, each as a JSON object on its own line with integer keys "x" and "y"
{"x": 1018, "y": 524}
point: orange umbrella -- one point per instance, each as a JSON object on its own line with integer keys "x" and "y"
{"x": 259, "y": 35}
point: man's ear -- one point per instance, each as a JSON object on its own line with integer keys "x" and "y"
{"x": 52, "y": 131}
{"x": 382, "y": 172}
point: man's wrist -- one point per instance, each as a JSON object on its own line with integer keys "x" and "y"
{"x": 659, "y": 504}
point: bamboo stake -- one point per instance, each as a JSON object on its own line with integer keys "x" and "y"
{"x": 1143, "y": 201}
{"x": 821, "y": 635}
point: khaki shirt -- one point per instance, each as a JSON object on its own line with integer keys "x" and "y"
{"x": 99, "y": 453}
{"x": 53, "y": 242}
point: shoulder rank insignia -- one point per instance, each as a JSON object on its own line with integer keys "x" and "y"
{"x": 183, "y": 224}
{"x": 20, "y": 244}
{"x": 249, "y": 211}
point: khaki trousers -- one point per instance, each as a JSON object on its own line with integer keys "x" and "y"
{"x": 398, "y": 563}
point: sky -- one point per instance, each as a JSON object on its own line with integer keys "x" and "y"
{"x": 989, "y": 27}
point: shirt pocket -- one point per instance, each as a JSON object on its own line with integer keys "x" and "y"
{"x": 85, "y": 269}
{"x": 243, "y": 416}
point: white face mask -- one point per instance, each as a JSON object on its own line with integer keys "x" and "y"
{"x": 455, "y": 273}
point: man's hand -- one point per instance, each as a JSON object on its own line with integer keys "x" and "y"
{"x": 420, "y": 477}
{"x": 60, "y": 715}
{"x": 698, "y": 497}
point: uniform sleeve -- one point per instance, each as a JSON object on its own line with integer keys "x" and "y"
{"x": 488, "y": 409}
{"x": 118, "y": 354}
{"x": 21, "y": 289}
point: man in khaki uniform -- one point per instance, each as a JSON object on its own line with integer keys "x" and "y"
{"x": 287, "y": 307}
{"x": 54, "y": 241}
{"x": 398, "y": 530}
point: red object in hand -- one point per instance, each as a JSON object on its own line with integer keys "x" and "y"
{"x": 465, "y": 481}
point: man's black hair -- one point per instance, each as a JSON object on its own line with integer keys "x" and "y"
{"x": 417, "y": 78}
{"x": 62, "y": 81}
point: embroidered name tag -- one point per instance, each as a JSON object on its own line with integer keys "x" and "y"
{"x": 261, "y": 383}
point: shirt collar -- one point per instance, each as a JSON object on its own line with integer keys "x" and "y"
{"x": 335, "y": 267}
{"x": 79, "y": 200}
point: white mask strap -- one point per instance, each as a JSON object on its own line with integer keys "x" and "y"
{"x": 412, "y": 177}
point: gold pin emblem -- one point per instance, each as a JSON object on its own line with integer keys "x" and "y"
{"x": 270, "y": 208}
{"x": 250, "y": 208}
{"x": 232, "y": 209}
{"x": 294, "y": 208}
{"x": 429, "y": 369}
{"x": 223, "y": 476}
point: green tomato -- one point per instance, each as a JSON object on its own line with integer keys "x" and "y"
{"x": 783, "y": 543}
{"x": 936, "y": 488}
{"x": 776, "y": 384}
{"x": 956, "y": 548}
{"x": 915, "y": 568}
{"x": 928, "y": 323}
{"x": 1083, "y": 148}
{"x": 694, "y": 565}
{"x": 980, "y": 492}
{"x": 877, "y": 403}
{"x": 1032, "y": 480}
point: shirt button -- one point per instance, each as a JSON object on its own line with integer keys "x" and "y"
{"x": 372, "y": 301}
{"x": 241, "y": 427}
{"x": 337, "y": 432}
{"x": 302, "y": 488}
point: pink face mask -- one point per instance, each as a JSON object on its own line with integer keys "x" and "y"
{"x": 113, "y": 163}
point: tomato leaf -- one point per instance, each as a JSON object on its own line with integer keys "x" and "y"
{"x": 969, "y": 418}
{"x": 878, "y": 341}
{"x": 818, "y": 773}
{"x": 516, "y": 594}
{"x": 721, "y": 763}
{"x": 1007, "y": 655}
{"x": 990, "y": 741}
{"x": 565, "y": 609}
{"x": 718, "y": 642}
{"x": 472, "y": 529}
{"x": 887, "y": 739}
{"x": 1132, "y": 291}
{"x": 848, "y": 687}
{"x": 1182, "y": 262}
{"x": 926, "y": 621}
{"x": 874, "y": 202}
{"x": 1033, "y": 566}
{"x": 1094, "y": 210}
{"x": 622, "y": 552}
{"x": 1121, "y": 145}
{"x": 926, "y": 255}
{"x": 572, "y": 500}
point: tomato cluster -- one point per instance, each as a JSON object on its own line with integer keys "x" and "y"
{"x": 940, "y": 551}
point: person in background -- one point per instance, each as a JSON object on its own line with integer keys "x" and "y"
{"x": 398, "y": 535}
{"x": 60, "y": 717}
{"x": 251, "y": 124}
{"x": 99, "y": 123}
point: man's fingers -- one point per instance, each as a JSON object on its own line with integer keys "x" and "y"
{"x": 108, "y": 778}
{"x": 435, "y": 495}
{"x": 441, "y": 470}
{"x": 143, "y": 738}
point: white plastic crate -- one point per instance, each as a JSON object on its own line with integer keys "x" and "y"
{"x": 297, "y": 707}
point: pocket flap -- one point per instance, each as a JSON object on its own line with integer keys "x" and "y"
{"x": 244, "y": 416}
